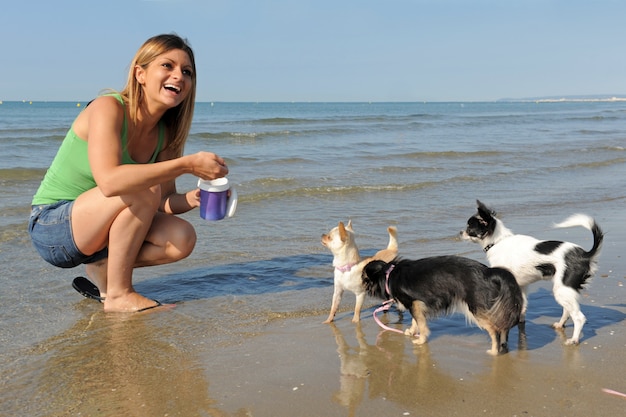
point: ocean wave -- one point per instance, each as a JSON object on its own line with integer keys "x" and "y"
{"x": 225, "y": 135}
{"x": 271, "y": 182}
{"x": 21, "y": 130}
{"x": 15, "y": 232}
{"x": 401, "y": 169}
{"x": 289, "y": 160}
{"x": 595, "y": 132}
{"x": 242, "y": 136}
{"x": 593, "y": 164}
{"x": 322, "y": 191}
{"x": 595, "y": 118}
{"x": 280, "y": 121}
{"x": 10, "y": 176}
{"x": 344, "y": 118}
{"x": 446, "y": 154}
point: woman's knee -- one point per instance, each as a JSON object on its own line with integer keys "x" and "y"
{"x": 183, "y": 239}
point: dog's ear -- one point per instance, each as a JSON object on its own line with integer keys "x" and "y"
{"x": 343, "y": 235}
{"x": 485, "y": 212}
{"x": 481, "y": 205}
{"x": 349, "y": 226}
{"x": 374, "y": 268}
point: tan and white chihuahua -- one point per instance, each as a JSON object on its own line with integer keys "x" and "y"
{"x": 349, "y": 265}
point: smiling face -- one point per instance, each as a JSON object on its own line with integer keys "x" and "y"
{"x": 167, "y": 80}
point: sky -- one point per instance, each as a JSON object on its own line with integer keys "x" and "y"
{"x": 322, "y": 50}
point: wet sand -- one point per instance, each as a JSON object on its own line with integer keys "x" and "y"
{"x": 347, "y": 369}
{"x": 295, "y": 366}
{"x": 269, "y": 354}
{"x": 280, "y": 360}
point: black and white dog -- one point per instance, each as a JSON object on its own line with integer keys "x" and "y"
{"x": 568, "y": 265}
{"x": 428, "y": 287}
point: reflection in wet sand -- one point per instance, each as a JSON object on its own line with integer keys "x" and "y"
{"x": 385, "y": 371}
{"x": 450, "y": 377}
{"x": 353, "y": 371}
{"x": 120, "y": 365}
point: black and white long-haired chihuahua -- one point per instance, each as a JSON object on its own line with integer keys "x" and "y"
{"x": 429, "y": 287}
{"x": 568, "y": 265}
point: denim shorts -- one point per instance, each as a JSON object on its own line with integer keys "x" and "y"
{"x": 50, "y": 230}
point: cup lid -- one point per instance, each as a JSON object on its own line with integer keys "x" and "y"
{"x": 216, "y": 185}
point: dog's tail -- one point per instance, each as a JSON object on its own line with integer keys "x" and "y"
{"x": 506, "y": 311}
{"x": 391, "y": 252}
{"x": 393, "y": 238}
{"x": 588, "y": 223}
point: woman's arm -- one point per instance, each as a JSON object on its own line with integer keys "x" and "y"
{"x": 102, "y": 122}
{"x": 173, "y": 202}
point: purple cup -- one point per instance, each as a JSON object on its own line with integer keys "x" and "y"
{"x": 214, "y": 204}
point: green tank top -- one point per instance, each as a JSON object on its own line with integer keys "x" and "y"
{"x": 70, "y": 174}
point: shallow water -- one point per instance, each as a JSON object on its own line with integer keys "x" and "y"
{"x": 247, "y": 329}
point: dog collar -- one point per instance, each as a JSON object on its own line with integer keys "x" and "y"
{"x": 488, "y": 247}
{"x": 344, "y": 268}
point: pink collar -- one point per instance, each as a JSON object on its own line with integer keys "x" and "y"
{"x": 344, "y": 268}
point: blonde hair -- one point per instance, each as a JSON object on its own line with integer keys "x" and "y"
{"x": 178, "y": 119}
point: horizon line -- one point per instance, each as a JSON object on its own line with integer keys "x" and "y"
{"x": 545, "y": 99}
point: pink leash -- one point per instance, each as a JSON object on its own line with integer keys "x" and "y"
{"x": 386, "y": 305}
{"x": 610, "y": 391}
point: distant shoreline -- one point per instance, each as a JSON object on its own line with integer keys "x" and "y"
{"x": 563, "y": 99}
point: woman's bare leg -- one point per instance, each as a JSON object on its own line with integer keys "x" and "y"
{"x": 136, "y": 235}
{"x": 126, "y": 237}
{"x": 97, "y": 272}
{"x": 170, "y": 239}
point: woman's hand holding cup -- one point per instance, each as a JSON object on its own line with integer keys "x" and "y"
{"x": 208, "y": 166}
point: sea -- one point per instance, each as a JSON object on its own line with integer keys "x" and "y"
{"x": 299, "y": 169}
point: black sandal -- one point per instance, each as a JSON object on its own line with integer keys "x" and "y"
{"x": 158, "y": 304}
{"x": 87, "y": 288}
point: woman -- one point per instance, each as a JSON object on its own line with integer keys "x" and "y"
{"x": 109, "y": 198}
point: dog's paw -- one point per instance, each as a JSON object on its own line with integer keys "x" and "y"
{"x": 419, "y": 340}
{"x": 409, "y": 332}
{"x": 356, "y": 319}
{"x": 571, "y": 342}
{"x": 558, "y": 325}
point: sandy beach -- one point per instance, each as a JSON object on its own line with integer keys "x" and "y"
{"x": 282, "y": 361}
